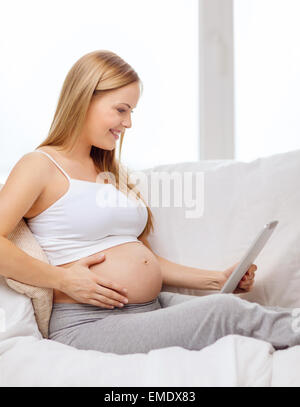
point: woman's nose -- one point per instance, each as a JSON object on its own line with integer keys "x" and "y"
{"x": 127, "y": 123}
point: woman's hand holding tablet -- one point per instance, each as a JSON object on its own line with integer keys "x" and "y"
{"x": 246, "y": 282}
{"x": 235, "y": 274}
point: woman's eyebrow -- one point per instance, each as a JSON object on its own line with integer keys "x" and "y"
{"x": 126, "y": 104}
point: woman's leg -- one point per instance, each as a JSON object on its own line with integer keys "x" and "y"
{"x": 180, "y": 320}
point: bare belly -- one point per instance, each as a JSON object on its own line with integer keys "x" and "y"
{"x": 133, "y": 266}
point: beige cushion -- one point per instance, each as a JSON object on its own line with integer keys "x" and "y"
{"x": 42, "y": 298}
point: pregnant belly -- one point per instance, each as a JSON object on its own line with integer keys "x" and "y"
{"x": 133, "y": 266}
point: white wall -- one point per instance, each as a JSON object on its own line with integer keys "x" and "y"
{"x": 41, "y": 40}
{"x": 267, "y": 80}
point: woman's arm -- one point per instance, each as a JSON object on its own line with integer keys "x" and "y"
{"x": 22, "y": 188}
{"x": 178, "y": 275}
{"x": 187, "y": 277}
{"x": 20, "y": 266}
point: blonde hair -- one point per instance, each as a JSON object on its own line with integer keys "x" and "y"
{"x": 93, "y": 74}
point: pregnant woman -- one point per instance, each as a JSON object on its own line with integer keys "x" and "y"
{"x": 93, "y": 226}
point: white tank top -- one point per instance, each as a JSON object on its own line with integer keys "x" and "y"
{"x": 88, "y": 218}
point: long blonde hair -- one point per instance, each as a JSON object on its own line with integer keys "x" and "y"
{"x": 93, "y": 74}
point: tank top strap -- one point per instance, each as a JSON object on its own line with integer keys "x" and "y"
{"x": 52, "y": 159}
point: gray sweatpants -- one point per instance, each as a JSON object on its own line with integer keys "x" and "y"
{"x": 171, "y": 319}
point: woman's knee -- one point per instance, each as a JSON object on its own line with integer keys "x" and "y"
{"x": 225, "y": 303}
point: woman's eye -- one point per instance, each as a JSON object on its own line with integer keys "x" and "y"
{"x": 122, "y": 111}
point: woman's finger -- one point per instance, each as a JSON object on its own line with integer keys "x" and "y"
{"x": 250, "y": 283}
{"x": 110, "y": 285}
{"x": 250, "y": 274}
{"x": 245, "y": 284}
{"x": 251, "y": 270}
{"x": 99, "y": 304}
{"x": 106, "y": 300}
{"x": 110, "y": 294}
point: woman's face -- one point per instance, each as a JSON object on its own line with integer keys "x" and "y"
{"x": 111, "y": 111}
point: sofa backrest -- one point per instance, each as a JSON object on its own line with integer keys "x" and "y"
{"x": 238, "y": 199}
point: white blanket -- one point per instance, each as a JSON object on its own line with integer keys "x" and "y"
{"x": 231, "y": 361}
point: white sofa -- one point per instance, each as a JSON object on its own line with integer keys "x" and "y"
{"x": 238, "y": 199}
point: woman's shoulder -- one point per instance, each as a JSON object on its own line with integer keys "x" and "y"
{"x": 47, "y": 149}
{"x": 22, "y": 189}
{"x": 53, "y": 154}
{"x": 32, "y": 159}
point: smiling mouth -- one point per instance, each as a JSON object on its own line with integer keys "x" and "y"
{"x": 116, "y": 136}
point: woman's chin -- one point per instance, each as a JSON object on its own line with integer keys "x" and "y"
{"x": 106, "y": 147}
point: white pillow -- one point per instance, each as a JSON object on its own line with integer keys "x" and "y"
{"x": 16, "y": 315}
{"x": 239, "y": 198}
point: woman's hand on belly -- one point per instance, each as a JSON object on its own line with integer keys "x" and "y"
{"x": 91, "y": 288}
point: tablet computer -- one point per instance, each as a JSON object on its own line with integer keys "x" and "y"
{"x": 248, "y": 259}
